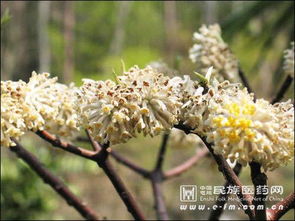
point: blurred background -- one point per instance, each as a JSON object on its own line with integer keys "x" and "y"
{"x": 75, "y": 40}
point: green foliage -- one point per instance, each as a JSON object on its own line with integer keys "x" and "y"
{"x": 5, "y": 17}
{"x": 25, "y": 196}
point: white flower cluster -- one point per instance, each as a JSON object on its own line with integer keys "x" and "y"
{"x": 142, "y": 101}
{"x": 210, "y": 50}
{"x": 246, "y": 130}
{"x": 40, "y": 104}
{"x": 289, "y": 60}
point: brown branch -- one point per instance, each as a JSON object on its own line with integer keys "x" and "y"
{"x": 222, "y": 198}
{"x": 281, "y": 208}
{"x": 178, "y": 170}
{"x": 231, "y": 177}
{"x": 156, "y": 178}
{"x": 283, "y": 89}
{"x": 225, "y": 169}
{"x": 245, "y": 81}
{"x": 54, "y": 182}
{"x": 145, "y": 173}
{"x": 258, "y": 179}
{"x": 103, "y": 162}
{"x": 162, "y": 152}
{"x": 66, "y": 146}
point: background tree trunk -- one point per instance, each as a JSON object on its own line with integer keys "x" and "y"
{"x": 210, "y": 12}
{"x": 43, "y": 40}
{"x": 119, "y": 33}
{"x": 69, "y": 23}
{"x": 171, "y": 28}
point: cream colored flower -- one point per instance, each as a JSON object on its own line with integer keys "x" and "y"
{"x": 246, "y": 131}
{"x": 289, "y": 60}
{"x": 12, "y": 110}
{"x": 65, "y": 123}
{"x": 142, "y": 101}
{"x": 99, "y": 111}
{"x": 40, "y": 97}
{"x": 40, "y": 104}
{"x": 210, "y": 50}
{"x": 157, "y": 107}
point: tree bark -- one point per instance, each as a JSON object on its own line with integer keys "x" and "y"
{"x": 69, "y": 23}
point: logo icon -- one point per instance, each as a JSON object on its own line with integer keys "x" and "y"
{"x": 188, "y": 193}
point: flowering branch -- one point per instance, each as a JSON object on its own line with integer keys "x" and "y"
{"x": 231, "y": 177}
{"x": 222, "y": 198}
{"x": 284, "y": 88}
{"x": 54, "y": 182}
{"x": 103, "y": 162}
{"x": 225, "y": 169}
{"x": 286, "y": 204}
{"x": 259, "y": 179}
{"x": 178, "y": 170}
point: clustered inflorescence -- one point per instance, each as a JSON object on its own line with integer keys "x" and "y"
{"x": 40, "y": 104}
{"x": 210, "y": 50}
{"x": 145, "y": 101}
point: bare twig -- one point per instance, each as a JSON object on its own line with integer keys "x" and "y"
{"x": 178, "y": 170}
{"x": 54, "y": 182}
{"x": 245, "y": 81}
{"x": 66, "y": 146}
{"x": 226, "y": 170}
{"x": 222, "y": 198}
{"x": 118, "y": 157}
{"x": 283, "y": 89}
{"x": 259, "y": 179}
{"x": 156, "y": 178}
{"x": 281, "y": 208}
{"x": 143, "y": 172}
{"x": 103, "y": 162}
{"x": 162, "y": 152}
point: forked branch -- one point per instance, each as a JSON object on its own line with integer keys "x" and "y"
{"x": 102, "y": 160}
{"x": 54, "y": 182}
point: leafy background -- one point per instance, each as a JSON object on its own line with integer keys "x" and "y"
{"x": 75, "y": 40}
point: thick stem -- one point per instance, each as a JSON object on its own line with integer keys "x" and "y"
{"x": 143, "y": 172}
{"x": 226, "y": 170}
{"x": 232, "y": 178}
{"x": 54, "y": 182}
{"x": 284, "y": 88}
{"x": 281, "y": 208}
{"x": 156, "y": 180}
{"x": 222, "y": 198}
{"x": 102, "y": 160}
{"x": 259, "y": 180}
